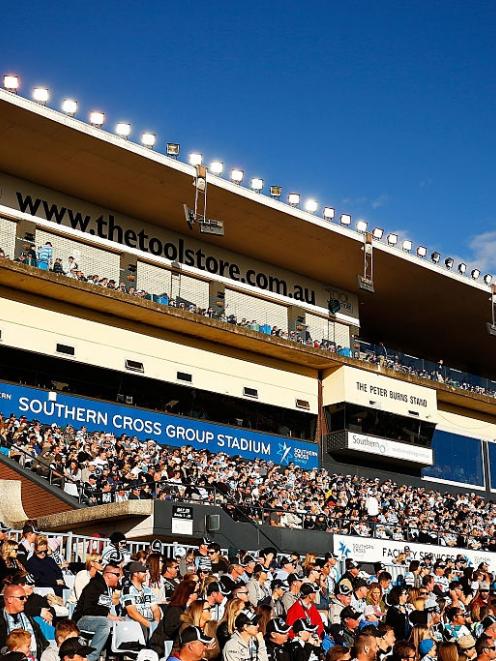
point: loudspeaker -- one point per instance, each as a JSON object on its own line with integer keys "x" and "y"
{"x": 212, "y": 522}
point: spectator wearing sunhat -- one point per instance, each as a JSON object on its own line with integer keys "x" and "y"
{"x": 306, "y": 642}
{"x": 304, "y": 608}
{"x": 192, "y": 645}
{"x": 342, "y": 599}
{"x": 276, "y": 640}
{"x": 247, "y": 641}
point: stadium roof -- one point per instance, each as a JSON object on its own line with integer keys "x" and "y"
{"x": 417, "y": 307}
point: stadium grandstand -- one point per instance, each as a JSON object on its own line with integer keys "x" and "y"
{"x": 220, "y": 431}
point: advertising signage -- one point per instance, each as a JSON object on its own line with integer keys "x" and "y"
{"x": 49, "y": 407}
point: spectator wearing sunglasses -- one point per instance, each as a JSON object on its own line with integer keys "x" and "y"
{"x": 13, "y": 617}
{"x": 46, "y": 572}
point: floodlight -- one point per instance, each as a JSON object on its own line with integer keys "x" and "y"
{"x": 392, "y": 239}
{"x": 475, "y": 274}
{"x": 148, "y": 139}
{"x": 69, "y": 106}
{"x": 237, "y": 176}
{"x": 435, "y": 257}
{"x": 41, "y": 95}
{"x": 378, "y": 233}
{"x": 361, "y": 225}
{"x": 311, "y": 206}
{"x": 97, "y": 118}
{"x": 421, "y": 251}
{"x": 448, "y": 262}
{"x": 123, "y": 129}
{"x": 329, "y": 213}
{"x": 294, "y": 199}
{"x": 488, "y": 279}
{"x": 216, "y": 167}
{"x": 462, "y": 268}
{"x": 275, "y": 191}
{"x": 407, "y": 245}
{"x": 11, "y": 82}
{"x": 195, "y": 159}
{"x": 173, "y": 149}
{"x": 345, "y": 219}
{"x": 257, "y": 184}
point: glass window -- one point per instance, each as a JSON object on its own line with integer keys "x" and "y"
{"x": 456, "y": 458}
{"x": 491, "y": 448}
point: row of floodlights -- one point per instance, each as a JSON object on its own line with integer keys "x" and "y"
{"x": 148, "y": 139}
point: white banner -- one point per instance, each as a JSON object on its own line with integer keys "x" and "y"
{"x": 366, "y": 549}
{"x": 386, "y": 448}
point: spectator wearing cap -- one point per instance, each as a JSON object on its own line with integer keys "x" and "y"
{"x": 4, "y": 532}
{"x": 466, "y": 647}
{"x": 441, "y": 583}
{"x": 247, "y": 641}
{"x": 351, "y": 573}
{"x": 65, "y": 629}
{"x": 278, "y": 588}
{"x": 115, "y": 551}
{"x": 138, "y": 600}
{"x": 359, "y": 595}
{"x": 193, "y": 644}
{"x": 26, "y": 543}
{"x": 291, "y": 595}
{"x": 74, "y": 650}
{"x": 95, "y": 610}
{"x": 304, "y": 608}
{"x": 397, "y": 613}
{"x": 216, "y": 599}
{"x": 248, "y": 564}
{"x": 256, "y": 586}
{"x": 427, "y": 650}
{"x": 286, "y": 567}
{"x": 306, "y": 641}
{"x": 344, "y": 633}
{"x": 276, "y": 640}
{"x": 341, "y": 599}
{"x": 12, "y": 617}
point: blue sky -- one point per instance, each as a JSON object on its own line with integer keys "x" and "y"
{"x": 383, "y": 109}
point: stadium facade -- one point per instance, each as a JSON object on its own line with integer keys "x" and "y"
{"x": 398, "y": 382}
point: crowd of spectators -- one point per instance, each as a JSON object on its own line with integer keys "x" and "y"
{"x": 98, "y": 468}
{"x": 201, "y": 603}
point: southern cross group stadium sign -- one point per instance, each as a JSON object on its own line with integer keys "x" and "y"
{"x": 50, "y": 407}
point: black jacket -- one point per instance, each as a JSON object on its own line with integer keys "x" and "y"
{"x": 41, "y": 642}
{"x": 277, "y": 652}
{"x": 167, "y": 629}
{"x": 95, "y": 599}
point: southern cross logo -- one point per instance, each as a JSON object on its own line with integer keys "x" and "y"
{"x": 344, "y": 551}
{"x": 284, "y": 452}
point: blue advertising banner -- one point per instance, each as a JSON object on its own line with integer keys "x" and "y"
{"x": 166, "y": 429}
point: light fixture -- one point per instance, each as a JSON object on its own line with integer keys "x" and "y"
{"x": 11, "y": 82}
{"x": 392, "y": 239}
{"x": 275, "y": 191}
{"x": 407, "y": 245}
{"x": 488, "y": 278}
{"x": 148, "y": 139}
{"x": 378, "y": 233}
{"x": 41, "y": 95}
{"x": 329, "y": 213}
{"x": 361, "y": 226}
{"x": 421, "y": 251}
{"x": 448, "y": 262}
{"x": 311, "y": 205}
{"x": 173, "y": 149}
{"x": 97, "y": 118}
{"x": 462, "y": 268}
{"x": 257, "y": 184}
{"x": 216, "y": 167}
{"x": 195, "y": 159}
{"x": 69, "y": 106}
{"x": 123, "y": 129}
{"x": 345, "y": 219}
{"x": 294, "y": 199}
{"x": 435, "y": 257}
{"x": 475, "y": 274}
{"x": 237, "y": 176}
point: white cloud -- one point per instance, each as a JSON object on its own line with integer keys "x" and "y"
{"x": 483, "y": 247}
{"x": 380, "y": 201}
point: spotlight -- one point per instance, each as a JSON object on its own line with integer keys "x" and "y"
{"x": 435, "y": 257}
{"x": 257, "y": 184}
{"x": 69, "y": 106}
{"x": 488, "y": 279}
{"x": 421, "y": 251}
{"x": 216, "y": 167}
{"x": 448, "y": 262}
{"x": 329, "y": 213}
{"x": 97, "y": 118}
{"x": 475, "y": 274}
{"x": 392, "y": 239}
{"x": 275, "y": 191}
{"x": 195, "y": 159}
{"x": 311, "y": 206}
{"x": 345, "y": 219}
{"x": 11, "y": 82}
{"x": 237, "y": 176}
{"x": 378, "y": 233}
{"x": 361, "y": 225}
{"x": 294, "y": 199}
{"x": 407, "y": 245}
{"x": 123, "y": 129}
{"x": 41, "y": 95}
{"x": 173, "y": 149}
{"x": 148, "y": 139}
{"x": 462, "y": 268}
